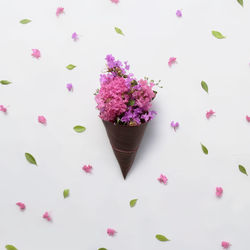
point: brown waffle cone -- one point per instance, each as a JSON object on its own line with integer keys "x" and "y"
{"x": 125, "y": 141}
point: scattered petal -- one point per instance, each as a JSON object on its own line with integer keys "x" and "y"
{"x": 75, "y": 36}
{"x": 21, "y": 205}
{"x": 47, "y": 216}
{"x": 42, "y": 119}
{"x": 219, "y": 191}
{"x": 225, "y": 244}
{"x": 25, "y": 21}
{"x": 2, "y": 108}
{"x": 174, "y": 125}
{"x": 36, "y": 53}
{"x": 179, "y": 13}
{"x": 111, "y": 232}
{"x": 69, "y": 86}
{"x": 171, "y": 61}
{"x": 59, "y": 11}
{"x": 163, "y": 179}
{"x": 248, "y": 118}
{"x": 119, "y": 31}
{"x": 87, "y": 168}
{"x": 115, "y": 1}
{"x": 210, "y": 113}
{"x": 66, "y": 193}
{"x": 161, "y": 237}
{"x": 30, "y": 158}
{"x": 5, "y": 82}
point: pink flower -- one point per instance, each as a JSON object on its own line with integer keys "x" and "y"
{"x": 21, "y": 205}
{"x": 174, "y": 125}
{"x": 47, "y": 216}
{"x": 178, "y": 13}
{"x": 219, "y": 191}
{"x": 171, "y": 61}
{"x": 115, "y": 1}
{"x": 210, "y": 113}
{"x": 69, "y": 86}
{"x": 225, "y": 244}
{"x": 36, "y": 53}
{"x": 87, "y": 168}
{"x": 2, "y": 108}
{"x": 42, "y": 119}
{"x": 59, "y": 11}
{"x": 248, "y": 118}
{"x": 163, "y": 179}
{"x": 75, "y": 36}
{"x": 111, "y": 232}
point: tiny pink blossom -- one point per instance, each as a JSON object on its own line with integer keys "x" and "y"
{"x": 36, "y": 53}
{"x": 2, "y": 108}
{"x": 75, "y": 36}
{"x": 21, "y": 205}
{"x": 59, "y": 11}
{"x": 69, "y": 86}
{"x": 163, "y": 179}
{"x": 171, "y": 61}
{"x": 174, "y": 125}
{"x": 111, "y": 232}
{"x": 225, "y": 244}
{"x": 115, "y": 1}
{"x": 179, "y": 13}
{"x": 219, "y": 191}
{"x": 248, "y": 118}
{"x": 210, "y": 113}
{"x": 47, "y": 216}
{"x": 87, "y": 168}
{"x": 42, "y": 119}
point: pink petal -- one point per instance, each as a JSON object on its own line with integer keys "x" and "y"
{"x": 47, "y": 216}
{"x": 87, "y": 168}
{"x": 210, "y": 113}
{"x": 163, "y": 179}
{"x": 115, "y": 1}
{"x": 36, "y": 53}
{"x": 69, "y": 86}
{"x": 59, "y": 11}
{"x": 248, "y": 118}
{"x": 42, "y": 119}
{"x": 178, "y": 13}
{"x": 75, "y": 36}
{"x": 171, "y": 61}
{"x": 174, "y": 125}
{"x": 2, "y": 108}
{"x": 111, "y": 232}
{"x": 219, "y": 191}
{"x": 225, "y": 244}
{"x": 21, "y": 205}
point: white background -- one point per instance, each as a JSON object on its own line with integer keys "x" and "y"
{"x": 186, "y": 210}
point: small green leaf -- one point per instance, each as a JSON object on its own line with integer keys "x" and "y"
{"x": 30, "y": 158}
{"x": 161, "y": 237}
{"x": 79, "y": 129}
{"x": 66, "y": 193}
{"x": 119, "y": 31}
{"x": 25, "y": 21}
{"x": 242, "y": 170}
{"x": 204, "y": 86}
{"x": 240, "y": 2}
{"x": 10, "y": 247}
{"x": 204, "y": 149}
{"x": 131, "y": 102}
{"x": 5, "y": 82}
{"x": 217, "y": 34}
{"x": 132, "y": 203}
{"x": 102, "y": 248}
{"x": 70, "y": 66}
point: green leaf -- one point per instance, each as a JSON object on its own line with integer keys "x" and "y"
{"x": 30, "y": 158}
{"x": 10, "y": 247}
{"x": 240, "y": 2}
{"x": 5, "y": 82}
{"x": 66, "y": 193}
{"x": 25, "y": 21}
{"x": 132, "y": 203}
{"x": 161, "y": 237}
{"x": 131, "y": 102}
{"x": 242, "y": 170}
{"x": 119, "y": 31}
{"x": 204, "y": 149}
{"x": 70, "y": 66}
{"x": 102, "y": 248}
{"x": 217, "y": 34}
{"x": 79, "y": 129}
{"x": 204, "y": 86}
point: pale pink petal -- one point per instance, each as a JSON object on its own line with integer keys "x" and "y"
{"x": 59, "y": 11}
{"x": 111, "y": 232}
{"x": 248, "y": 118}
{"x": 21, "y": 205}
{"x": 179, "y": 13}
{"x": 210, "y": 113}
{"x": 163, "y": 179}
{"x": 87, "y": 168}
{"x": 75, "y": 36}
{"x": 225, "y": 244}
{"x": 174, "y": 125}
{"x": 42, "y": 119}
{"x": 69, "y": 86}
{"x": 3, "y": 109}
{"x": 47, "y": 216}
{"x": 115, "y": 1}
{"x": 36, "y": 53}
{"x": 171, "y": 61}
{"x": 219, "y": 191}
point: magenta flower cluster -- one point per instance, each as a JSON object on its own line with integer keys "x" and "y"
{"x": 122, "y": 99}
